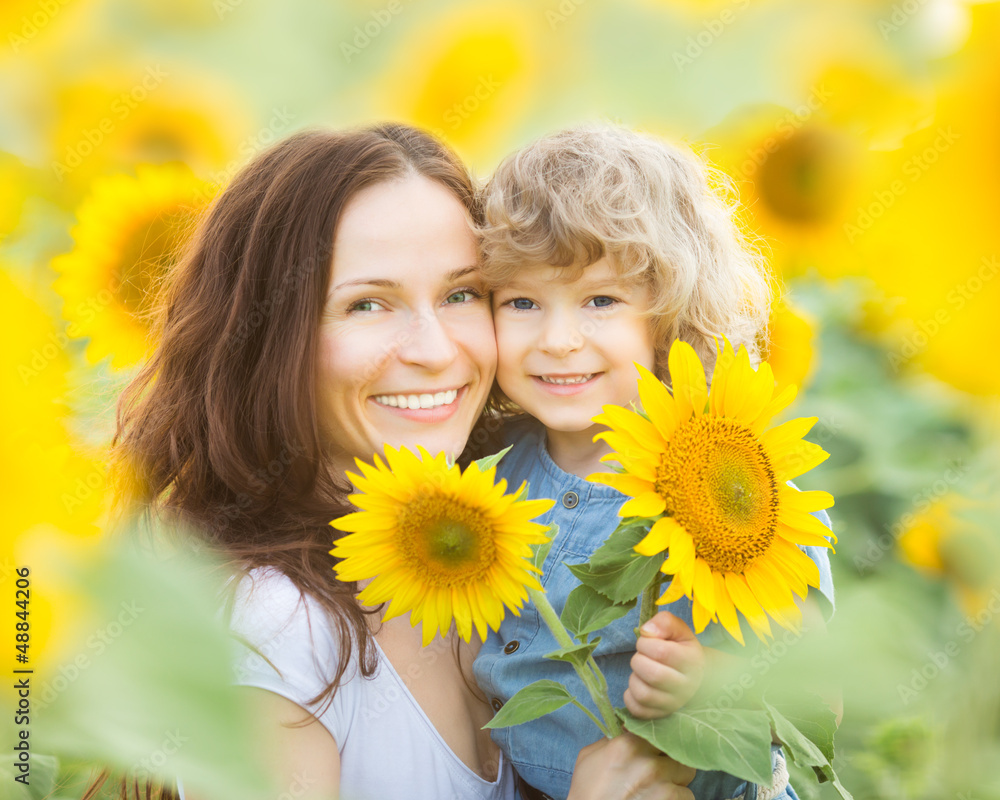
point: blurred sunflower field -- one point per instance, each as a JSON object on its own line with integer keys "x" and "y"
{"x": 862, "y": 138}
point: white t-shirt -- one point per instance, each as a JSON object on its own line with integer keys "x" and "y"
{"x": 388, "y": 747}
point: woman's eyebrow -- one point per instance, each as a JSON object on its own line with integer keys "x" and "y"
{"x": 383, "y": 282}
{"x": 461, "y": 272}
{"x": 386, "y": 283}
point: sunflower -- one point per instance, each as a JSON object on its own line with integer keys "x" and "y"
{"x": 790, "y": 344}
{"x": 108, "y": 120}
{"x": 946, "y": 540}
{"x": 442, "y": 543}
{"x": 130, "y": 232}
{"x": 469, "y": 76}
{"x": 704, "y": 464}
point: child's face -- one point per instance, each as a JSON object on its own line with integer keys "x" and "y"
{"x": 566, "y": 347}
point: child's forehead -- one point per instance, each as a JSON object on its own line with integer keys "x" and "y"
{"x": 601, "y": 272}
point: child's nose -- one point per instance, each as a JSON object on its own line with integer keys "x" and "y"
{"x": 560, "y": 336}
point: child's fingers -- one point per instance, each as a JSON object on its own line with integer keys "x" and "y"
{"x": 656, "y": 673}
{"x": 682, "y": 657}
{"x": 646, "y": 702}
{"x": 664, "y": 625}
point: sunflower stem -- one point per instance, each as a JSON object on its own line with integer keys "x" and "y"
{"x": 589, "y": 672}
{"x": 590, "y": 714}
{"x": 649, "y": 596}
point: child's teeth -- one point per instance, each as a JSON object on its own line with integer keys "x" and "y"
{"x": 564, "y": 381}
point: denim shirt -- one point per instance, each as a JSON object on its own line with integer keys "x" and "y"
{"x": 544, "y": 751}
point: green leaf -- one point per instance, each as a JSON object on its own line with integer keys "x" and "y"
{"x": 533, "y": 701}
{"x": 152, "y": 661}
{"x": 831, "y": 776}
{"x": 737, "y": 741}
{"x": 622, "y": 580}
{"x": 811, "y": 717}
{"x": 587, "y": 610}
{"x": 488, "y": 462}
{"x": 541, "y": 551}
{"x": 577, "y": 654}
{"x": 799, "y": 746}
{"x": 619, "y": 546}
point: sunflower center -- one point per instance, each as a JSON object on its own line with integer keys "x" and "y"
{"x": 446, "y": 541}
{"x": 718, "y": 484}
{"x": 802, "y": 181}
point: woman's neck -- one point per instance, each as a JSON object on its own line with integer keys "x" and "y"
{"x": 576, "y": 452}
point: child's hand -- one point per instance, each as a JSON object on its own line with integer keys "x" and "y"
{"x": 667, "y": 667}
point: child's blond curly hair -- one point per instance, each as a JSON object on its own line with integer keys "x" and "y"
{"x": 655, "y": 209}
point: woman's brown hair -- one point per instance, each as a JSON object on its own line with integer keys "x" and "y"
{"x": 219, "y": 429}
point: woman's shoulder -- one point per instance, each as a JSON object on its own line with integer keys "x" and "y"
{"x": 265, "y": 600}
{"x": 283, "y": 630}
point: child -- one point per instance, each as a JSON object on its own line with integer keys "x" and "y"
{"x": 602, "y": 247}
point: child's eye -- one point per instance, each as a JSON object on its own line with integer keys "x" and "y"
{"x": 365, "y": 305}
{"x": 521, "y": 304}
{"x": 602, "y": 301}
{"x": 464, "y": 296}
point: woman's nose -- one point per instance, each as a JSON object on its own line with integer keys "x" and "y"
{"x": 427, "y": 342}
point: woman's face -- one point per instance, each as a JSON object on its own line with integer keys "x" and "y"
{"x": 407, "y": 352}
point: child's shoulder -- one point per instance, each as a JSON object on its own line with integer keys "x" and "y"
{"x": 522, "y": 430}
{"x": 525, "y": 436}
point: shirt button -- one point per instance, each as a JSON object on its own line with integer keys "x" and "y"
{"x": 497, "y": 703}
{"x": 511, "y": 647}
{"x": 570, "y": 499}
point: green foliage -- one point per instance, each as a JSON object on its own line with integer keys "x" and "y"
{"x": 533, "y": 701}
{"x": 735, "y": 740}
{"x": 615, "y": 569}
{"x": 488, "y": 462}
{"x": 146, "y": 687}
{"x": 577, "y": 654}
{"x": 587, "y": 610}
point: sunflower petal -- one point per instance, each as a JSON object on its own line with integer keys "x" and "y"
{"x": 720, "y": 381}
{"x": 659, "y": 537}
{"x": 776, "y": 405}
{"x": 704, "y": 585}
{"x": 623, "y": 482}
{"x": 688, "y": 379}
{"x": 747, "y": 604}
{"x": 657, "y": 402}
{"x": 725, "y": 609}
{"x": 700, "y": 616}
{"x": 645, "y": 505}
{"x": 793, "y": 498}
{"x": 680, "y": 559}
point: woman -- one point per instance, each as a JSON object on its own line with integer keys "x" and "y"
{"x": 331, "y": 303}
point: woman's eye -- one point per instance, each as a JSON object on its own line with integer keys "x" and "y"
{"x": 603, "y": 301}
{"x": 522, "y": 303}
{"x": 463, "y": 296}
{"x": 366, "y": 305}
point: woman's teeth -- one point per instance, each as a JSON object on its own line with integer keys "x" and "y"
{"x": 565, "y": 381}
{"x": 417, "y": 400}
